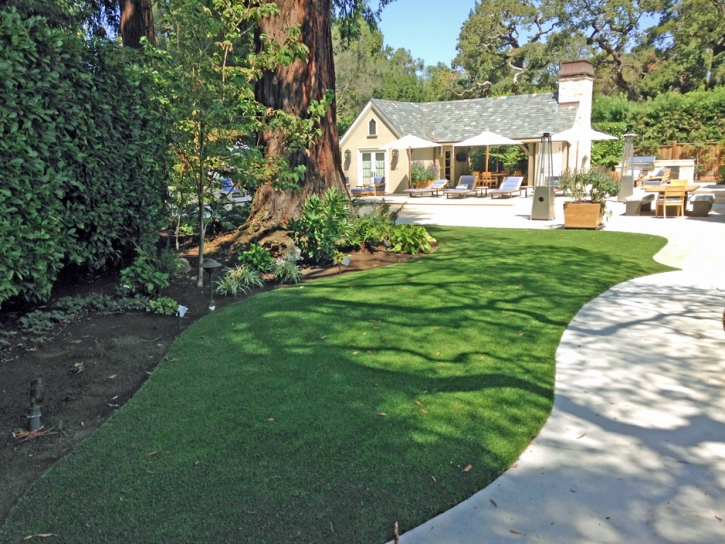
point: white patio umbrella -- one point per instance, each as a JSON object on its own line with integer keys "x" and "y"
{"x": 580, "y": 133}
{"x": 410, "y": 143}
{"x": 488, "y": 139}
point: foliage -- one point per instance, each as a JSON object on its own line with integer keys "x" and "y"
{"x": 509, "y": 157}
{"x": 594, "y": 186}
{"x": 142, "y": 277}
{"x": 608, "y": 153}
{"x": 239, "y": 279}
{"x": 163, "y": 306}
{"x": 83, "y": 154}
{"x": 69, "y": 309}
{"x": 286, "y": 269}
{"x": 322, "y": 225}
{"x": 256, "y": 258}
{"x": 169, "y": 262}
{"x": 373, "y": 228}
{"x": 693, "y": 117}
{"x": 410, "y": 239}
{"x": 721, "y": 179}
{"x": 423, "y": 172}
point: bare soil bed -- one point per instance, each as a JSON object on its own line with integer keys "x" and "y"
{"x": 92, "y": 367}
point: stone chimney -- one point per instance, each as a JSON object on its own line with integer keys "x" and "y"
{"x": 576, "y": 84}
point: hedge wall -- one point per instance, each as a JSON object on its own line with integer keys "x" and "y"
{"x": 83, "y": 155}
{"x": 692, "y": 117}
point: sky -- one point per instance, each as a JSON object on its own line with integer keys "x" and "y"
{"x": 428, "y": 28}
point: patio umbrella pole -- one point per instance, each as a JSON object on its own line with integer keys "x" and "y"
{"x": 410, "y": 168}
{"x": 486, "y": 158}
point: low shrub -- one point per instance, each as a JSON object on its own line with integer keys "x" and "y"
{"x": 163, "y": 306}
{"x": 322, "y": 226}
{"x": 239, "y": 279}
{"x": 256, "y": 258}
{"x": 142, "y": 277}
{"x": 410, "y": 239}
{"x": 286, "y": 269}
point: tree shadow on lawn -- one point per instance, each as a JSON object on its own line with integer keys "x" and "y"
{"x": 331, "y": 410}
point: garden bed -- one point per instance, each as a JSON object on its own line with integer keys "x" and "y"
{"x": 92, "y": 367}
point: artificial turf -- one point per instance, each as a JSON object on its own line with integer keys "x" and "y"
{"x": 328, "y": 411}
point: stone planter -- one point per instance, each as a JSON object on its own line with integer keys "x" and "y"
{"x": 582, "y": 215}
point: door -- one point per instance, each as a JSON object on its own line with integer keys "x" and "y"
{"x": 373, "y": 165}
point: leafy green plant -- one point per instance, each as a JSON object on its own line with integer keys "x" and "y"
{"x": 142, "y": 276}
{"x": 163, "y": 306}
{"x": 169, "y": 262}
{"x": 410, "y": 239}
{"x": 286, "y": 269}
{"x": 239, "y": 279}
{"x": 594, "y": 187}
{"x": 721, "y": 179}
{"x": 420, "y": 171}
{"x": 322, "y": 225}
{"x": 256, "y": 258}
{"x": 83, "y": 154}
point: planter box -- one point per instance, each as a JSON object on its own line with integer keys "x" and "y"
{"x": 423, "y": 184}
{"x": 582, "y": 215}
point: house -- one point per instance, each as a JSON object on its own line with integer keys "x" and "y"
{"x": 522, "y": 117}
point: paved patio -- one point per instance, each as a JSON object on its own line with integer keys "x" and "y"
{"x": 634, "y": 449}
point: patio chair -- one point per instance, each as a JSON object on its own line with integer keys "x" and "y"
{"x": 659, "y": 179}
{"x": 673, "y": 196}
{"x": 379, "y": 185}
{"x": 486, "y": 179}
{"x": 434, "y": 189}
{"x": 465, "y": 187}
{"x": 508, "y": 187}
{"x": 367, "y": 190}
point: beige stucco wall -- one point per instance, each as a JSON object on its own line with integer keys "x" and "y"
{"x": 357, "y": 141}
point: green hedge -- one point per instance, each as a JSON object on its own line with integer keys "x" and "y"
{"x": 689, "y": 118}
{"x": 83, "y": 154}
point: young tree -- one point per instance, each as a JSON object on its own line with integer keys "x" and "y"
{"x": 292, "y": 88}
{"x": 209, "y": 71}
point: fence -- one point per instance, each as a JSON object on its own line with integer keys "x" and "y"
{"x": 708, "y": 156}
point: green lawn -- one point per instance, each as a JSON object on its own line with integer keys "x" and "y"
{"x": 327, "y": 412}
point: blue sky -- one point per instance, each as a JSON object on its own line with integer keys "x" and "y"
{"x": 428, "y": 28}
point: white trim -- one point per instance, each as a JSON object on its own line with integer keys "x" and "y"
{"x": 355, "y": 124}
{"x": 386, "y": 171}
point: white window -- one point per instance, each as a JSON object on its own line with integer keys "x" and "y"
{"x": 373, "y": 128}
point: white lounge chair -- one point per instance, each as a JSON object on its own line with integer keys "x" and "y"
{"x": 508, "y": 187}
{"x": 434, "y": 189}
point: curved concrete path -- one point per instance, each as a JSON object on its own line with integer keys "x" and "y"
{"x": 634, "y": 449}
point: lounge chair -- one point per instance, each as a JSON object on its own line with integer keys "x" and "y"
{"x": 434, "y": 188}
{"x": 508, "y": 187}
{"x": 378, "y": 186}
{"x": 465, "y": 187}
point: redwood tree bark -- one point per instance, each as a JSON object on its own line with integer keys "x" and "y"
{"x": 137, "y": 21}
{"x": 291, "y": 88}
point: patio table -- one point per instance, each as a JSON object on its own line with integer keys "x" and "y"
{"x": 690, "y": 188}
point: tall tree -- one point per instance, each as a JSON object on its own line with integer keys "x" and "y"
{"x": 292, "y": 89}
{"x": 137, "y": 21}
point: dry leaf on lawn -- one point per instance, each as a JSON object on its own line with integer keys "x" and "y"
{"x": 417, "y": 402}
{"x": 41, "y": 535}
{"x": 111, "y": 377}
{"x": 581, "y": 436}
{"x": 493, "y": 502}
{"x": 424, "y": 411}
{"x": 271, "y": 419}
{"x": 468, "y": 468}
{"x": 514, "y": 532}
{"x": 382, "y": 414}
{"x": 355, "y": 352}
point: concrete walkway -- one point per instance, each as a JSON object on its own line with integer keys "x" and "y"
{"x": 634, "y": 449}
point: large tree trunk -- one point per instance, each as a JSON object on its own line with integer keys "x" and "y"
{"x": 137, "y": 21}
{"x": 291, "y": 88}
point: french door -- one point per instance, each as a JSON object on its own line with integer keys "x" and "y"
{"x": 373, "y": 165}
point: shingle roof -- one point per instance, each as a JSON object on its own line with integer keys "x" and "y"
{"x": 519, "y": 117}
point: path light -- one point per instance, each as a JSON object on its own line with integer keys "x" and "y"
{"x": 37, "y": 394}
{"x": 209, "y": 265}
{"x": 387, "y": 246}
{"x": 180, "y": 313}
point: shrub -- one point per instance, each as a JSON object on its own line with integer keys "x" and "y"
{"x": 239, "y": 279}
{"x": 594, "y": 186}
{"x": 163, "y": 306}
{"x": 142, "y": 277}
{"x": 410, "y": 239}
{"x": 323, "y": 223}
{"x": 256, "y": 258}
{"x": 83, "y": 154}
{"x": 286, "y": 269}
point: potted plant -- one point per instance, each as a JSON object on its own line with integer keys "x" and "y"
{"x": 422, "y": 176}
{"x": 589, "y": 191}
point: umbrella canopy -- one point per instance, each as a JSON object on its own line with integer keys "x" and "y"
{"x": 576, "y": 134}
{"x": 410, "y": 142}
{"x": 487, "y": 138}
